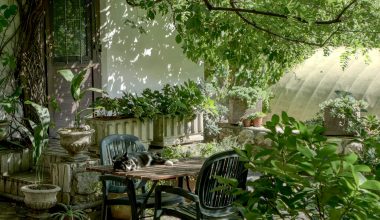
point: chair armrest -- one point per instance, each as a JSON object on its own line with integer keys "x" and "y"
{"x": 178, "y": 191}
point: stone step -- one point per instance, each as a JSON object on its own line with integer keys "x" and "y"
{"x": 15, "y": 160}
{"x": 11, "y": 184}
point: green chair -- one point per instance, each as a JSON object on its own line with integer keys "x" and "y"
{"x": 110, "y": 147}
{"x": 206, "y": 203}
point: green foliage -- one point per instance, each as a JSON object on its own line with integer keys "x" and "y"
{"x": 369, "y": 137}
{"x": 142, "y": 107}
{"x": 183, "y": 101}
{"x": 345, "y": 107}
{"x": 9, "y": 103}
{"x": 7, "y": 14}
{"x": 302, "y": 175}
{"x": 107, "y": 106}
{"x": 69, "y": 213}
{"x": 228, "y": 143}
{"x": 255, "y": 45}
{"x": 251, "y": 95}
{"x": 40, "y": 136}
{"x": 256, "y": 115}
{"x": 77, "y": 92}
{"x": 215, "y": 110}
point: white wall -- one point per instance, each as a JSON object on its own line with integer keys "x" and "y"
{"x": 132, "y": 61}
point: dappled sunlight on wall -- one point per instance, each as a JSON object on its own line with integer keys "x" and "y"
{"x": 132, "y": 61}
{"x": 301, "y": 91}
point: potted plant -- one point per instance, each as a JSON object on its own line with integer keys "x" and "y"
{"x": 341, "y": 115}
{"x": 77, "y": 139}
{"x": 257, "y": 118}
{"x": 246, "y": 99}
{"x": 130, "y": 114}
{"x": 69, "y": 213}
{"x": 39, "y": 196}
{"x": 180, "y": 118}
{"x": 246, "y": 122}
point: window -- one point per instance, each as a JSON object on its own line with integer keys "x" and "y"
{"x": 71, "y": 20}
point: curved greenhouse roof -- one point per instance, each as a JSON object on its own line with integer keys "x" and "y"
{"x": 301, "y": 91}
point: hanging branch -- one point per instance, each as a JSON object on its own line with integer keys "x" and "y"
{"x": 337, "y": 19}
{"x": 256, "y": 26}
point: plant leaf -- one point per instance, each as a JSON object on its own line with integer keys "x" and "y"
{"x": 371, "y": 185}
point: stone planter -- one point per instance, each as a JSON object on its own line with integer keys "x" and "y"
{"x": 238, "y": 108}
{"x": 4, "y": 129}
{"x": 173, "y": 130}
{"x": 40, "y": 196}
{"x": 336, "y": 126}
{"x": 76, "y": 142}
{"x": 107, "y": 126}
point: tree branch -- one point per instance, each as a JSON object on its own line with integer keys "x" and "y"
{"x": 254, "y": 25}
{"x": 132, "y": 3}
{"x": 337, "y": 19}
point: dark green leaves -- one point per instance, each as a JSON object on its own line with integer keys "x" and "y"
{"x": 76, "y": 83}
{"x": 304, "y": 173}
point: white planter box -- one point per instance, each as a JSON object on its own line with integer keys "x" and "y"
{"x": 172, "y": 130}
{"x": 105, "y": 127}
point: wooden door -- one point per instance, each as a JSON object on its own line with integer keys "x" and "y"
{"x": 72, "y": 43}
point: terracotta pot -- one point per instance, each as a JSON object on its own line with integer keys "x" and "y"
{"x": 246, "y": 122}
{"x": 120, "y": 211}
{"x": 40, "y": 196}
{"x": 4, "y": 129}
{"x": 257, "y": 122}
{"x": 75, "y": 141}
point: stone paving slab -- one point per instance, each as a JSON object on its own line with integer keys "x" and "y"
{"x": 17, "y": 211}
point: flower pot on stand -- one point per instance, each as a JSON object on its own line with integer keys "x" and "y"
{"x": 76, "y": 141}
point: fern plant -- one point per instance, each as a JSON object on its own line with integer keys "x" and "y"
{"x": 69, "y": 213}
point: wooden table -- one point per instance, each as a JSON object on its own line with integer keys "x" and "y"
{"x": 181, "y": 169}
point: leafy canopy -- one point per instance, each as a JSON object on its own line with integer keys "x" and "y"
{"x": 255, "y": 42}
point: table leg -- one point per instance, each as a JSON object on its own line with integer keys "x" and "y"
{"x": 180, "y": 182}
{"x": 188, "y": 183}
{"x": 147, "y": 197}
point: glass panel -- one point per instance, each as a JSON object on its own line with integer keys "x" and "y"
{"x": 70, "y": 30}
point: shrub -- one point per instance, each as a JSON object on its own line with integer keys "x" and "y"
{"x": 183, "y": 101}
{"x": 345, "y": 107}
{"x": 302, "y": 175}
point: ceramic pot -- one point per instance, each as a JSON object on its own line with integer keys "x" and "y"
{"x": 40, "y": 196}
{"x": 75, "y": 141}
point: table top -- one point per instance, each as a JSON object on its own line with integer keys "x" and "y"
{"x": 187, "y": 167}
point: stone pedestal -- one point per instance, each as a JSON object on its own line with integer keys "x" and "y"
{"x": 78, "y": 185}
